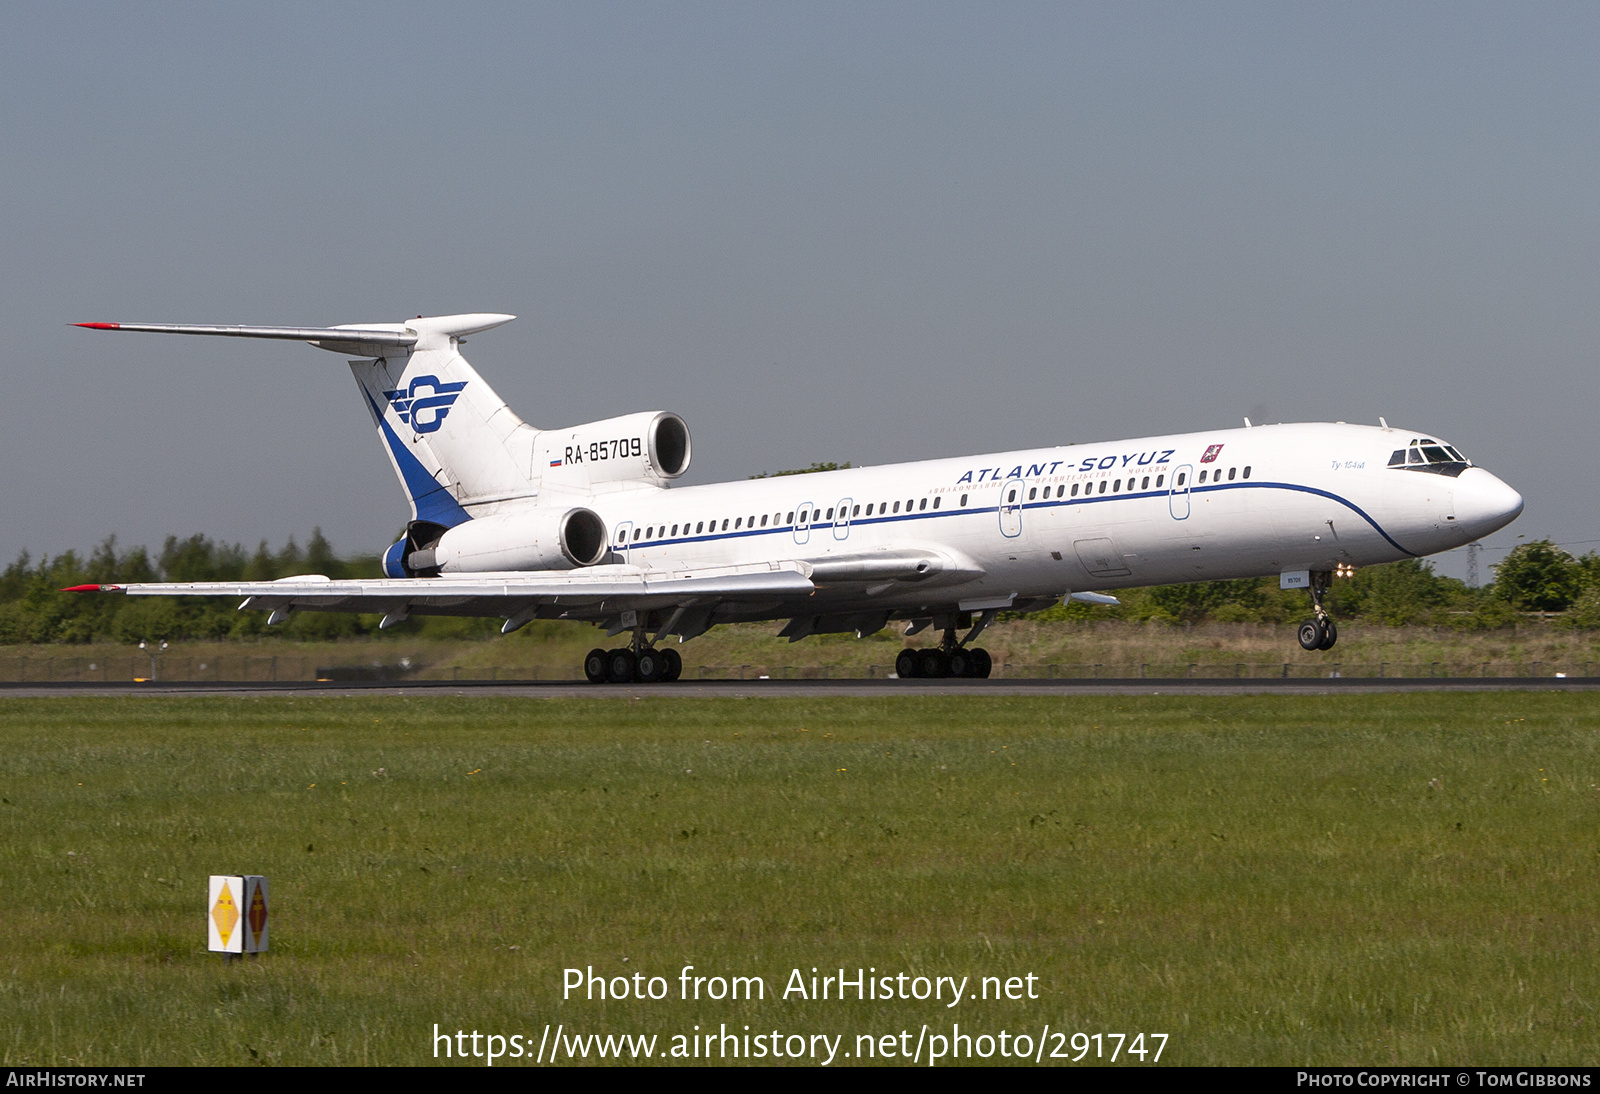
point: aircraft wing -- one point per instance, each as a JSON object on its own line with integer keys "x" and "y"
{"x": 595, "y": 593}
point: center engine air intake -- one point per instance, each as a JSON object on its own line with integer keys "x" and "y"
{"x": 549, "y": 539}
{"x": 652, "y": 446}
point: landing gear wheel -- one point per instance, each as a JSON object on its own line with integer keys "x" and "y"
{"x": 908, "y": 665}
{"x": 674, "y": 665}
{"x": 596, "y": 666}
{"x": 649, "y": 666}
{"x": 620, "y": 666}
{"x": 981, "y": 664}
{"x": 1310, "y": 634}
{"x": 961, "y": 662}
{"x": 934, "y": 664}
{"x": 1330, "y": 634}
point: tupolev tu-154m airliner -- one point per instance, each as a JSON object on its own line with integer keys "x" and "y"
{"x": 583, "y": 523}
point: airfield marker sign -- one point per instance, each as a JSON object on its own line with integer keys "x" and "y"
{"x": 236, "y": 913}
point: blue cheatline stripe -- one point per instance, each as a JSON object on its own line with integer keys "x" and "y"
{"x": 431, "y": 501}
{"x": 788, "y": 529}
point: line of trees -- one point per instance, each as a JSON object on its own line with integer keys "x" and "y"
{"x": 34, "y": 610}
{"x": 1534, "y": 577}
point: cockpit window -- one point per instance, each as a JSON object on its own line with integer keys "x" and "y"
{"x": 1427, "y": 454}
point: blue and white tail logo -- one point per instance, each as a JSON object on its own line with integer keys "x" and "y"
{"x": 427, "y": 411}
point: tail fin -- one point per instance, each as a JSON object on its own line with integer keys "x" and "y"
{"x": 456, "y": 446}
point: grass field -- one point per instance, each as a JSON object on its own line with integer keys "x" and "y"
{"x": 1266, "y": 879}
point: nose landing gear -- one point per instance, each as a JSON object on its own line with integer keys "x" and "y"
{"x": 1322, "y": 632}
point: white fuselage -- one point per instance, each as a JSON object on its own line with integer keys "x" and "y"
{"x": 1017, "y": 526}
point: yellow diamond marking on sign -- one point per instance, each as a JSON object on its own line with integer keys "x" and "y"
{"x": 225, "y": 914}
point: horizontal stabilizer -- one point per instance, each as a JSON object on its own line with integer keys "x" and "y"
{"x": 351, "y": 339}
{"x": 380, "y": 334}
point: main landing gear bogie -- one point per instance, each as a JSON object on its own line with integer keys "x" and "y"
{"x": 624, "y": 666}
{"x": 952, "y": 657}
{"x": 933, "y": 664}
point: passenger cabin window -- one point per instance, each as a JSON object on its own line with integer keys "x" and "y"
{"x": 1231, "y": 471}
{"x": 856, "y": 512}
{"x": 830, "y": 512}
{"x": 763, "y": 520}
{"x": 1159, "y": 479}
{"x": 791, "y": 516}
{"x": 1011, "y": 497}
{"x": 1202, "y": 476}
{"x": 923, "y": 506}
{"x": 738, "y": 522}
{"x": 1144, "y": 484}
{"x": 1074, "y": 489}
{"x": 1247, "y": 471}
{"x": 1033, "y": 492}
{"x": 699, "y": 527}
{"x": 1116, "y": 487}
{"x": 963, "y": 501}
{"x": 1103, "y": 485}
{"x": 869, "y": 509}
{"x": 636, "y": 533}
{"x": 1182, "y": 476}
{"x": 936, "y": 503}
{"x": 724, "y": 524}
{"x": 896, "y": 507}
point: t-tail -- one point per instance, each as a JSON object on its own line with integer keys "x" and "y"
{"x": 456, "y": 446}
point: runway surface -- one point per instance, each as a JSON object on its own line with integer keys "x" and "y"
{"x": 822, "y": 689}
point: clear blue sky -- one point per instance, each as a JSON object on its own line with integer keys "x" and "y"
{"x": 841, "y": 232}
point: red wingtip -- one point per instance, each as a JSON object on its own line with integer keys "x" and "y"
{"x": 100, "y": 326}
{"x": 83, "y": 588}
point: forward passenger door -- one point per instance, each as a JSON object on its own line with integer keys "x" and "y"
{"x": 1011, "y": 508}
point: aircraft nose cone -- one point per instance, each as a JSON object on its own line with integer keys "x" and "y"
{"x": 1484, "y": 504}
